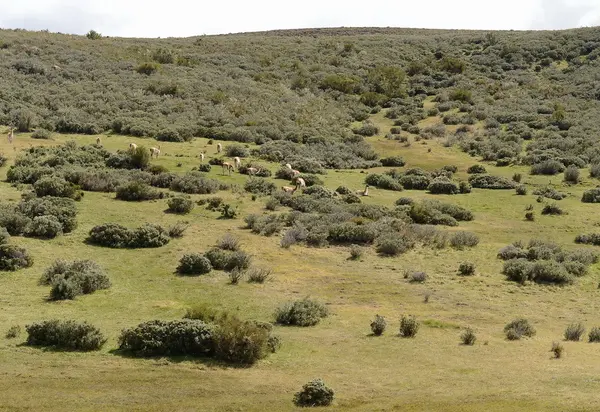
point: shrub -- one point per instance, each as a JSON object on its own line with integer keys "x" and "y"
{"x": 409, "y": 326}
{"x": 180, "y": 204}
{"x": 415, "y": 182}
{"x": 590, "y": 239}
{"x": 378, "y": 325}
{"x": 476, "y": 169}
{"x": 196, "y": 183}
{"x": 75, "y": 278}
{"x": 574, "y": 332}
{"x": 227, "y": 260}
{"x": 110, "y": 235}
{"x": 205, "y": 167}
{"x": 591, "y": 196}
{"x": 13, "y": 258}
{"x": 63, "y": 209}
{"x": 518, "y": 329}
{"x": 349, "y": 232}
{"x": 169, "y": 338}
{"x": 137, "y": 191}
{"x": 13, "y": 332}
{"x": 468, "y": 337}
{"x": 594, "y": 169}
{"x": 139, "y": 158}
{"x": 395, "y": 161}
{"x": 356, "y": 252}
{"x": 572, "y": 174}
{"x": 259, "y": 275}
{"x": 443, "y": 185}
{"x": 259, "y": 186}
{"x": 229, "y": 242}
{"x": 366, "y": 129}
{"x": 343, "y": 190}
{"x": 460, "y": 240}
{"x": 55, "y": 186}
{"x": 45, "y": 227}
{"x": 236, "y": 150}
{"x": 65, "y": 334}
{"x": 557, "y": 349}
{"x": 517, "y": 177}
{"x": 149, "y": 236}
{"x": 383, "y": 182}
{"x": 491, "y": 182}
{"x": 547, "y": 167}
{"x": 466, "y": 269}
{"x": 194, "y": 264}
{"x": 313, "y": 394}
{"x": 464, "y": 187}
{"x": 415, "y": 277}
{"x": 594, "y": 335}
{"x": 530, "y": 216}
{"x": 147, "y": 68}
{"x": 305, "y": 312}
{"x": 550, "y": 193}
{"x": 241, "y": 342}
{"x": 552, "y": 209}
{"x": 393, "y": 245}
{"x": 4, "y": 236}
{"x": 41, "y": 134}
{"x": 521, "y": 190}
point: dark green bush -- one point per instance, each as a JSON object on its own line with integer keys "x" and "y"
{"x": 137, "y": 191}
{"x": 383, "y": 182}
{"x": 71, "y": 279}
{"x": 194, "y": 264}
{"x": 204, "y": 168}
{"x": 594, "y": 335}
{"x": 45, "y": 227}
{"x": 466, "y": 269}
{"x": 64, "y": 209}
{"x": 149, "y": 236}
{"x": 56, "y": 186}
{"x": 259, "y": 186}
{"x": 14, "y": 258}
{"x": 41, "y": 134}
{"x": 241, "y": 342}
{"x": 228, "y": 260}
{"x": 65, "y": 335}
{"x": 169, "y": 338}
{"x": 552, "y": 209}
{"x": 117, "y": 236}
{"x": 180, "y": 204}
{"x": 476, "y": 169}
{"x": 468, "y": 337}
{"x": 409, "y": 326}
{"x": 591, "y": 196}
{"x": 443, "y": 185}
{"x": 237, "y": 150}
{"x": 481, "y": 181}
{"x": 349, "y": 232}
{"x": 464, "y": 187}
{"x": 314, "y": 393}
{"x": 395, "y": 161}
{"x": 415, "y": 182}
{"x": 589, "y": 239}
{"x": 518, "y": 329}
{"x": 378, "y": 325}
{"x": 196, "y": 183}
{"x": 572, "y": 174}
{"x": 305, "y": 312}
{"x": 547, "y": 167}
{"x": 521, "y": 190}
{"x": 393, "y": 245}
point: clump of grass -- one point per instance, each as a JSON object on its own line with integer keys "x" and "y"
{"x": 259, "y": 275}
{"x": 530, "y": 216}
{"x": 378, "y": 325}
{"x": 409, "y": 326}
{"x": 574, "y": 332}
{"x": 594, "y": 335}
{"x": 13, "y": 332}
{"x": 178, "y": 229}
{"x": 236, "y": 275}
{"x": 229, "y": 242}
{"x": 468, "y": 337}
{"x": 558, "y": 349}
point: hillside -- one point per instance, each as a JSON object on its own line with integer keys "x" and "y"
{"x": 481, "y": 155}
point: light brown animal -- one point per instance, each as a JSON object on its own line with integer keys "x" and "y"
{"x": 237, "y": 162}
{"x": 300, "y": 182}
{"x": 363, "y": 192}
{"x": 252, "y": 171}
{"x": 11, "y": 135}
{"x": 227, "y": 166}
{"x": 219, "y": 147}
{"x": 97, "y": 141}
{"x": 155, "y": 151}
{"x": 132, "y": 146}
{"x": 289, "y": 189}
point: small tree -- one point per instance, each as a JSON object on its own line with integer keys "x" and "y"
{"x": 93, "y": 35}
{"x": 314, "y": 393}
{"x": 409, "y": 326}
{"x": 378, "y": 325}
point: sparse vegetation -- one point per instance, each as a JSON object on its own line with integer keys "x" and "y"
{"x": 518, "y": 329}
{"x": 574, "y": 332}
{"x": 305, "y": 312}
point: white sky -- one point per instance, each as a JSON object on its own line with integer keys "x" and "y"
{"x": 178, "y": 18}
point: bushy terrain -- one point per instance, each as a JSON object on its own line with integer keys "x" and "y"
{"x": 468, "y": 142}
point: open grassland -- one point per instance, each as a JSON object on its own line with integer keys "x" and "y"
{"x": 430, "y": 372}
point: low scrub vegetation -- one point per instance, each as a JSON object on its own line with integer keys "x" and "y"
{"x": 409, "y": 326}
{"x": 70, "y": 279}
{"x": 65, "y": 335}
{"x": 519, "y": 328}
{"x": 305, "y": 312}
{"x": 194, "y": 264}
{"x": 180, "y": 204}
{"x": 574, "y": 332}
{"x": 117, "y": 236}
{"x": 313, "y": 394}
{"x": 13, "y": 257}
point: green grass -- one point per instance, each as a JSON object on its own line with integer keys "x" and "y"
{"x": 430, "y": 372}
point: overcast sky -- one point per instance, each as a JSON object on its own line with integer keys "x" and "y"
{"x": 177, "y": 18}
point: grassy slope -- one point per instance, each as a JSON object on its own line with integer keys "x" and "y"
{"x": 431, "y": 372}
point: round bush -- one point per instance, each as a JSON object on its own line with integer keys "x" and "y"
{"x": 476, "y": 169}
{"x": 378, "y": 325}
{"x": 65, "y": 334}
{"x": 314, "y": 393}
{"x": 14, "y": 258}
{"x": 305, "y": 312}
{"x": 55, "y": 186}
{"x": 47, "y": 227}
{"x": 466, "y": 269}
{"x": 409, "y": 326}
{"x": 521, "y": 190}
{"x": 443, "y": 185}
{"x": 180, "y": 204}
{"x": 205, "y": 167}
{"x": 111, "y": 235}
{"x": 136, "y": 191}
{"x": 519, "y": 328}
{"x": 194, "y": 264}
{"x": 395, "y": 161}
{"x": 149, "y": 236}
